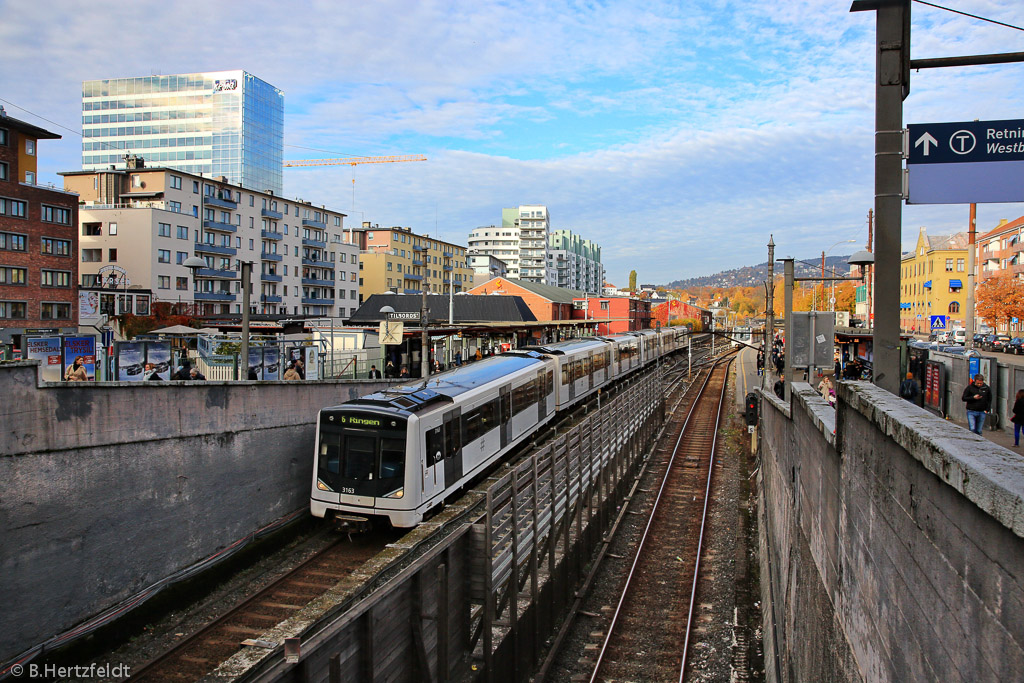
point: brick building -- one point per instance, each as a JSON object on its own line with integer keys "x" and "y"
{"x": 546, "y": 302}
{"x": 614, "y": 314}
{"x": 38, "y": 242}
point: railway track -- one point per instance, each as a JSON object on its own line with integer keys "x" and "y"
{"x": 648, "y": 635}
{"x": 204, "y": 650}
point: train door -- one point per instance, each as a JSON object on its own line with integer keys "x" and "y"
{"x": 590, "y": 369}
{"x": 432, "y": 461}
{"x": 505, "y": 410}
{"x": 568, "y": 379}
{"x": 542, "y": 395}
{"x": 452, "y": 446}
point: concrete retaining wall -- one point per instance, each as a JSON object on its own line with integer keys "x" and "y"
{"x": 891, "y": 551}
{"x": 107, "y": 488}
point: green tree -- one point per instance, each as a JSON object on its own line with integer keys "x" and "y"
{"x": 632, "y": 280}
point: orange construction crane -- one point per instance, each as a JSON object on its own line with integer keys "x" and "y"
{"x": 352, "y": 161}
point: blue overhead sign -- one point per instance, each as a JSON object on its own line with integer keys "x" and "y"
{"x": 966, "y": 162}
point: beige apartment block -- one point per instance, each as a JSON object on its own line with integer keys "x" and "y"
{"x": 398, "y": 260}
{"x": 148, "y": 221}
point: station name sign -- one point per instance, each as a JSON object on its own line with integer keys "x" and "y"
{"x": 403, "y": 316}
{"x": 966, "y": 162}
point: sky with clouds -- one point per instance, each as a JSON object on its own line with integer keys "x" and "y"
{"x": 677, "y": 135}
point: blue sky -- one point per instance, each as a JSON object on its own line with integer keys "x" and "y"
{"x": 678, "y": 135}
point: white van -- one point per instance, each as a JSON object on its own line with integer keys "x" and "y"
{"x": 957, "y": 336}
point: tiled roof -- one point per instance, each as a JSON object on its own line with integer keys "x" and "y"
{"x": 466, "y": 309}
{"x": 1006, "y": 227}
{"x": 557, "y": 295}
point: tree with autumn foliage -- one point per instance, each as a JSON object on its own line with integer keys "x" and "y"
{"x": 1000, "y": 298}
{"x": 163, "y": 316}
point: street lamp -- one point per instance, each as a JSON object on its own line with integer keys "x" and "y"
{"x": 195, "y": 263}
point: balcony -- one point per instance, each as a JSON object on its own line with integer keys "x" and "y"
{"x": 267, "y": 256}
{"x": 209, "y": 200}
{"x": 270, "y": 298}
{"x": 217, "y": 225}
{"x": 448, "y": 253}
{"x": 417, "y": 261}
{"x": 310, "y": 223}
{"x": 217, "y": 274}
{"x": 410, "y": 276}
{"x": 410, "y": 291}
{"x": 307, "y": 242}
{"x": 270, "y": 213}
{"x": 317, "y": 264}
{"x": 316, "y": 282}
{"x": 269, "y": 277}
{"x": 271, "y": 235}
{"x": 446, "y": 268}
{"x": 204, "y": 248}
{"x": 418, "y": 247}
{"x": 312, "y": 301}
{"x": 213, "y": 296}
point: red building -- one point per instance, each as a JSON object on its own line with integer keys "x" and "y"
{"x": 546, "y": 302}
{"x": 38, "y": 242}
{"x": 614, "y": 314}
{"x": 677, "y": 310}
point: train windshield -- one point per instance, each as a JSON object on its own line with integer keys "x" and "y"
{"x": 361, "y": 455}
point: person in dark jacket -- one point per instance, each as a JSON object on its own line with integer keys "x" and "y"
{"x": 978, "y": 398}
{"x": 374, "y": 372}
{"x": 195, "y": 375}
{"x": 1018, "y": 416}
{"x": 183, "y": 373}
{"x": 909, "y": 388}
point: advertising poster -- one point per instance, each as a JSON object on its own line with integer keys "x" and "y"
{"x": 131, "y": 359}
{"x": 79, "y": 356}
{"x": 256, "y": 365}
{"x": 158, "y": 355}
{"x": 88, "y": 307}
{"x": 46, "y": 350}
{"x": 312, "y": 362}
{"x": 271, "y": 362}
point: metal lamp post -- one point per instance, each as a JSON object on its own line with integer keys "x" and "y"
{"x": 195, "y": 263}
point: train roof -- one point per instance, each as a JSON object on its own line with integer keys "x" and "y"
{"x": 561, "y": 348}
{"x": 417, "y": 396}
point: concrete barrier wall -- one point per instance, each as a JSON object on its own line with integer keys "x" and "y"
{"x": 107, "y": 488}
{"x": 892, "y": 551}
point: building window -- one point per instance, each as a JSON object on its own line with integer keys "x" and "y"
{"x": 164, "y": 229}
{"x": 10, "y": 241}
{"x": 54, "y": 310}
{"x": 13, "y": 276}
{"x": 163, "y": 281}
{"x": 30, "y": 147}
{"x": 92, "y": 229}
{"x": 30, "y": 177}
{"x": 175, "y": 206}
{"x": 960, "y": 265}
{"x": 12, "y": 207}
{"x": 4, "y": 171}
{"x": 54, "y": 214}
{"x": 92, "y": 255}
{"x": 949, "y": 265}
{"x": 112, "y": 229}
{"x": 55, "y": 247}
{"x": 91, "y": 280}
{"x": 182, "y": 232}
{"x": 181, "y": 283}
{"x": 181, "y": 256}
{"x": 112, "y": 255}
{"x": 195, "y": 187}
{"x": 3, "y": 136}
{"x": 175, "y": 182}
{"x": 163, "y": 256}
{"x": 55, "y": 278}
{"x": 954, "y": 307}
{"x": 12, "y": 310}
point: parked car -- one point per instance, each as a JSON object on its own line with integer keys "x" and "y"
{"x": 1016, "y": 346}
{"x": 978, "y": 339}
{"x": 998, "y": 342}
{"x": 986, "y": 342}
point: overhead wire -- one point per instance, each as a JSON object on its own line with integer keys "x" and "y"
{"x": 968, "y": 14}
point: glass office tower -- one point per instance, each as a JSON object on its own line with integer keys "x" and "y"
{"x": 223, "y": 123}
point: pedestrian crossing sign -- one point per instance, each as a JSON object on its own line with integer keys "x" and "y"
{"x": 938, "y": 322}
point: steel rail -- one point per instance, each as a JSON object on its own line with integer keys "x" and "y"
{"x": 640, "y": 547}
{"x": 703, "y": 523}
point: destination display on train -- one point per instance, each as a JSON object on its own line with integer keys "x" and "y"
{"x": 363, "y": 421}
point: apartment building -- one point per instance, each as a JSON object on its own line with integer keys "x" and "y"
{"x": 485, "y": 266}
{"x": 218, "y": 124}
{"x": 576, "y": 262}
{"x": 149, "y": 221}
{"x": 398, "y": 260}
{"x": 38, "y": 242}
{"x": 521, "y": 242}
{"x": 999, "y": 250}
{"x": 933, "y": 281}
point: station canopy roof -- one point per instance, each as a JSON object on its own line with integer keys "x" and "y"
{"x": 467, "y": 309}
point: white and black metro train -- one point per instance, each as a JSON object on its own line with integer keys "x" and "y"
{"x": 398, "y": 453}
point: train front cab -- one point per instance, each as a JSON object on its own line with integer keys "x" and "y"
{"x": 360, "y": 465}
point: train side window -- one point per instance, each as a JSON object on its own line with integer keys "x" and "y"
{"x": 435, "y": 445}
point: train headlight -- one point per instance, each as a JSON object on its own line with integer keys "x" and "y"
{"x": 400, "y": 493}
{"x": 322, "y": 486}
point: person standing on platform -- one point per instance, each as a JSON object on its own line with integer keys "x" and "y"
{"x": 1018, "y": 416}
{"x": 760, "y": 362}
{"x": 290, "y": 374}
{"x": 195, "y": 375}
{"x": 374, "y": 372}
{"x": 978, "y": 399}
{"x": 909, "y": 388}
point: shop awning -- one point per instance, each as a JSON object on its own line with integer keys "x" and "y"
{"x": 955, "y": 283}
{"x": 928, "y": 285}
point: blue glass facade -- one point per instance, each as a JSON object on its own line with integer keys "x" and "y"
{"x": 226, "y": 123}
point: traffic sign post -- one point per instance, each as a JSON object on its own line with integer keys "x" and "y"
{"x": 971, "y": 162}
{"x": 938, "y": 322}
